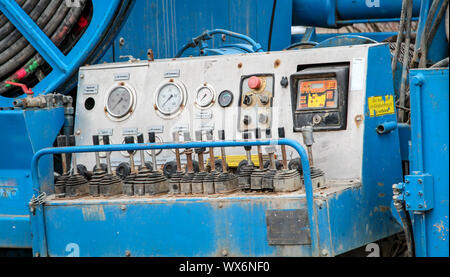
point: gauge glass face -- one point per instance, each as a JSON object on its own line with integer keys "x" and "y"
{"x": 205, "y": 97}
{"x": 225, "y": 98}
{"x": 169, "y": 99}
{"x": 119, "y": 102}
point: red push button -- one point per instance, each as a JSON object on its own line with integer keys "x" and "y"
{"x": 254, "y": 82}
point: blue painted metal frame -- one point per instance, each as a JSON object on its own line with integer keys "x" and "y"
{"x": 428, "y": 199}
{"x": 38, "y": 222}
{"x": 63, "y": 66}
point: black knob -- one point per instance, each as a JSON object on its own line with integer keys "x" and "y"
{"x": 95, "y": 140}
{"x": 268, "y": 133}
{"x": 284, "y": 82}
{"x": 257, "y": 133}
{"x": 151, "y": 137}
{"x": 106, "y": 140}
{"x": 296, "y": 164}
{"x": 247, "y": 100}
{"x": 221, "y": 134}
{"x": 140, "y": 138}
{"x": 247, "y": 120}
{"x": 281, "y": 132}
{"x": 187, "y": 136}
{"x": 247, "y": 136}
{"x": 129, "y": 140}
{"x": 170, "y": 168}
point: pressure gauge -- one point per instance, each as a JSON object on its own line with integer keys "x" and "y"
{"x": 119, "y": 102}
{"x": 225, "y": 98}
{"x": 205, "y": 96}
{"x": 170, "y": 97}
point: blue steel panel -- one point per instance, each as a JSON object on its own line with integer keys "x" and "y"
{"x": 166, "y": 25}
{"x": 169, "y": 227}
{"x": 381, "y": 169}
{"x": 430, "y": 155}
{"x": 26, "y": 132}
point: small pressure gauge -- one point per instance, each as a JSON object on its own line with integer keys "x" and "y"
{"x": 169, "y": 98}
{"x": 119, "y": 102}
{"x": 205, "y": 96}
{"x": 225, "y": 98}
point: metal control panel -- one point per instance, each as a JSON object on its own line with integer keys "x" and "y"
{"x": 264, "y": 90}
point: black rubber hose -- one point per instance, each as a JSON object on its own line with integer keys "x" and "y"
{"x": 401, "y": 30}
{"x": 58, "y": 37}
{"x": 26, "y": 53}
{"x": 271, "y": 24}
{"x": 8, "y": 27}
{"x": 15, "y": 38}
{"x": 407, "y": 228}
{"x": 3, "y": 18}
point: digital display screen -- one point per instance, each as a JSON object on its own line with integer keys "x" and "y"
{"x": 318, "y": 94}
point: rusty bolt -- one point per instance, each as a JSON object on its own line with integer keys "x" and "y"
{"x": 420, "y": 181}
{"x": 220, "y": 205}
{"x": 420, "y": 193}
{"x": 128, "y": 253}
{"x": 407, "y": 193}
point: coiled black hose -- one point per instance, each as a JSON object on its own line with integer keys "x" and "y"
{"x": 18, "y": 59}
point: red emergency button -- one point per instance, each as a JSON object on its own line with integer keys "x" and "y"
{"x": 254, "y": 82}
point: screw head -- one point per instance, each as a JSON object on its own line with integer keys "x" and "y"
{"x": 224, "y": 252}
{"x": 407, "y": 193}
{"x": 123, "y": 207}
{"x": 324, "y": 252}
{"x": 128, "y": 253}
{"x": 420, "y": 181}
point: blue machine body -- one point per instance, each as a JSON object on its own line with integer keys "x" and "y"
{"x": 26, "y": 132}
{"x": 426, "y": 188}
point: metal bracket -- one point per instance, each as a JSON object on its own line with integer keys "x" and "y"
{"x": 418, "y": 192}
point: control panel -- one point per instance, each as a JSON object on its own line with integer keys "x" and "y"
{"x": 243, "y": 95}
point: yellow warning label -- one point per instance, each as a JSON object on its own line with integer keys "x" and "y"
{"x": 381, "y": 105}
{"x": 316, "y": 100}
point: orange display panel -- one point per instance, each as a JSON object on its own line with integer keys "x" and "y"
{"x": 317, "y": 94}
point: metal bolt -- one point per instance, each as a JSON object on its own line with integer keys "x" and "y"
{"x": 407, "y": 206}
{"x": 81, "y": 76}
{"x": 420, "y": 206}
{"x": 420, "y": 193}
{"x": 224, "y": 253}
{"x": 128, "y": 253}
{"x": 37, "y": 254}
{"x": 420, "y": 181}
{"x": 78, "y": 132}
{"x": 121, "y": 41}
{"x": 220, "y": 205}
{"x": 123, "y": 207}
{"x": 407, "y": 193}
{"x": 324, "y": 252}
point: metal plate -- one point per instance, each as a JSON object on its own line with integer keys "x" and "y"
{"x": 288, "y": 227}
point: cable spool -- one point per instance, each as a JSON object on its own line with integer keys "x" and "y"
{"x": 19, "y": 61}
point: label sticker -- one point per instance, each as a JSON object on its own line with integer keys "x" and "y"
{"x": 381, "y": 105}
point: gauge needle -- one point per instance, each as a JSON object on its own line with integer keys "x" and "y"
{"x": 204, "y": 95}
{"x": 121, "y": 99}
{"x": 168, "y": 100}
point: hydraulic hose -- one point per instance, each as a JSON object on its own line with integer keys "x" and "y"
{"x": 18, "y": 59}
{"x": 430, "y": 35}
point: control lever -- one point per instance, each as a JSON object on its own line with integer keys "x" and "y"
{"x": 152, "y": 139}
{"x": 308, "y": 140}
{"x": 209, "y": 136}
{"x": 130, "y": 140}
{"x": 222, "y": 149}
{"x": 281, "y": 135}
{"x": 108, "y": 154}
{"x": 60, "y": 183}
{"x": 199, "y": 151}
{"x": 188, "y": 153}
{"x": 140, "y": 139}
{"x": 248, "y": 149}
{"x": 176, "y": 138}
{"x": 62, "y": 142}
{"x": 96, "y": 141}
{"x": 271, "y": 151}
{"x": 260, "y": 155}
{"x": 74, "y": 157}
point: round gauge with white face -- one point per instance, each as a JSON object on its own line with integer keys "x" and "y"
{"x": 205, "y": 96}
{"x": 169, "y": 98}
{"x": 119, "y": 102}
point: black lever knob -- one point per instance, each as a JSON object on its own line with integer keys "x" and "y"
{"x": 129, "y": 140}
{"x": 221, "y": 134}
{"x": 281, "y": 133}
{"x": 96, "y": 140}
{"x": 140, "y": 138}
{"x": 106, "y": 140}
{"x": 268, "y": 133}
{"x": 151, "y": 137}
{"x": 257, "y": 133}
{"x": 71, "y": 140}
